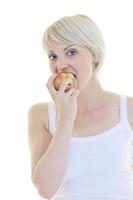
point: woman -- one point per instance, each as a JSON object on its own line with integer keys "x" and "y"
{"x": 81, "y": 143}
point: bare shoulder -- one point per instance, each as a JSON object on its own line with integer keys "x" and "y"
{"x": 39, "y": 111}
{"x": 130, "y": 109}
{"x": 38, "y": 134}
{"x": 38, "y": 121}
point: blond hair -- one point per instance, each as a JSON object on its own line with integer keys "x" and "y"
{"x": 77, "y": 29}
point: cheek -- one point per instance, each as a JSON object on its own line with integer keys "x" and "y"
{"x": 52, "y": 68}
{"x": 84, "y": 75}
{"x": 87, "y": 72}
{"x": 84, "y": 67}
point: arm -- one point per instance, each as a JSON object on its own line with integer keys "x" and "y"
{"x": 49, "y": 170}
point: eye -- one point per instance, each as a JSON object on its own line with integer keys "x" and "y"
{"x": 71, "y": 52}
{"x": 52, "y": 57}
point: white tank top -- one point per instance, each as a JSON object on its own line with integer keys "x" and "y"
{"x": 99, "y": 167}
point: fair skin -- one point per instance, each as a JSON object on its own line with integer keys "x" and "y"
{"x": 82, "y": 63}
{"x": 98, "y": 111}
{"x": 93, "y": 103}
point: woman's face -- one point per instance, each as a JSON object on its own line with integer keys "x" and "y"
{"x": 72, "y": 58}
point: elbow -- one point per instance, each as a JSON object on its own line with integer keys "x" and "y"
{"x": 42, "y": 190}
{"x": 44, "y": 194}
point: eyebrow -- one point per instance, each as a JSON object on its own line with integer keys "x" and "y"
{"x": 65, "y": 47}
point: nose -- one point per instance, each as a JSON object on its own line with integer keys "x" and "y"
{"x": 60, "y": 67}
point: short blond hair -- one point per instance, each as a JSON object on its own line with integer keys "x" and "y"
{"x": 78, "y": 29}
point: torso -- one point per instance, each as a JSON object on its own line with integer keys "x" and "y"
{"x": 96, "y": 123}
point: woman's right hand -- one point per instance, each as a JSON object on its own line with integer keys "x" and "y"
{"x": 66, "y": 102}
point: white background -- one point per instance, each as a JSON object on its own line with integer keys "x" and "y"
{"x": 24, "y": 72}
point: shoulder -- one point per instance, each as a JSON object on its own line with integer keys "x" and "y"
{"x": 39, "y": 112}
{"x": 38, "y": 108}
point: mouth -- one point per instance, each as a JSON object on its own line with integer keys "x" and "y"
{"x": 71, "y": 72}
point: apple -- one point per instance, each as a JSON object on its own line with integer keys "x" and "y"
{"x": 65, "y": 75}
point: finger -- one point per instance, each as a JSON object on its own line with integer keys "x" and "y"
{"x": 76, "y": 93}
{"x": 70, "y": 91}
{"x": 63, "y": 85}
{"x": 51, "y": 78}
{"x": 50, "y": 84}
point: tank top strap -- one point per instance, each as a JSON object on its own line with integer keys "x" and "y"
{"x": 52, "y": 117}
{"x": 123, "y": 107}
{"x": 124, "y": 116}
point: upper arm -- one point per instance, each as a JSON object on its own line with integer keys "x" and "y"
{"x": 38, "y": 135}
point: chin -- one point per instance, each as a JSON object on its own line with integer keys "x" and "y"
{"x": 65, "y": 75}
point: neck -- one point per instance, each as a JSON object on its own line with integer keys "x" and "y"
{"x": 92, "y": 96}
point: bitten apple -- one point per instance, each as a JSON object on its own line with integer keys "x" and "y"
{"x": 65, "y": 75}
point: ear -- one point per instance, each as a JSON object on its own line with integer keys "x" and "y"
{"x": 94, "y": 61}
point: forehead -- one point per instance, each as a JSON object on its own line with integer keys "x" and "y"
{"x": 55, "y": 46}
